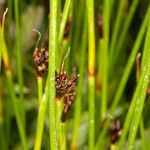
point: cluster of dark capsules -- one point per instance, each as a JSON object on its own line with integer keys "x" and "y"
{"x": 65, "y": 86}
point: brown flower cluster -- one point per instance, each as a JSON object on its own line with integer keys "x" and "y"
{"x": 40, "y": 60}
{"x": 65, "y": 86}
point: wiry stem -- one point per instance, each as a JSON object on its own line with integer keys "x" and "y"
{"x": 51, "y": 72}
{"x": 19, "y": 58}
{"x": 91, "y": 72}
{"x": 11, "y": 88}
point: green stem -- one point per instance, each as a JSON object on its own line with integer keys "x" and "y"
{"x": 77, "y": 22}
{"x": 40, "y": 120}
{"x": 129, "y": 115}
{"x": 3, "y": 140}
{"x": 51, "y": 72}
{"x": 124, "y": 32}
{"x": 63, "y": 145}
{"x": 91, "y": 72}
{"x": 139, "y": 104}
{"x": 59, "y": 106}
{"x": 142, "y": 134}
{"x": 116, "y": 28}
{"x": 133, "y": 103}
{"x": 146, "y": 46}
{"x": 11, "y": 91}
{"x": 16, "y": 110}
{"x": 19, "y": 58}
{"x": 64, "y": 20}
{"x": 77, "y": 112}
{"x": 125, "y": 76}
{"x": 105, "y": 54}
{"x": 40, "y": 89}
{"x": 62, "y": 26}
{"x": 10, "y": 6}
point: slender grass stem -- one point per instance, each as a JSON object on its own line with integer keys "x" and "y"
{"x": 40, "y": 120}
{"x": 59, "y": 106}
{"x": 116, "y": 28}
{"x": 91, "y": 71}
{"x": 63, "y": 24}
{"x": 77, "y": 22}
{"x": 100, "y": 75}
{"x": 16, "y": 110}
{"x": 139, "y": 104}
{"x": 19, "y": 58}
{"x": 125, "y": 76}
{"x": 146, "y": 47}
{"x": 44, "y": 102}
{"x": 142, "y": 134}
{"x": 143, "y": 91}
{"x": 64, "y": 20}
{"x": 0, "y": 58}
{"x": 138, "y": 69}
{"x": 3, "y": 140}
{"x": 51, "y": 72}
{"x": 133, "y": 103}
{"x": 63, "y": 145}
{"x": 10, "y": 47}
{"x": 77, "y": 112}
{"x": 124, "y": 32}
{"x": 129, "y": 115}
{"x": 11, "y": 88}
{"x": 111, "y": 5}
{"x": 40, "y": 88}
{"x": 10, "y": 6}
{"x": 105, "y": 51}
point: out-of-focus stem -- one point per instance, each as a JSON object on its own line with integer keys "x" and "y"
{"x": 91, "y": 72}
{"x": 105, "y": 54}
{"x": 78, "y": 102}
{"x": 19, "y": 58}
{"x": 125, "y": 76}
{"x": 11, "y": 88}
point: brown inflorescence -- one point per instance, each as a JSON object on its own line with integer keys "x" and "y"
{"x": 65, "y": 88}
{"x": 40, "y": 60}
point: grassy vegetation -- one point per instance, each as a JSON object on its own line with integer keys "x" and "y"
{"x": 105, "y": 45}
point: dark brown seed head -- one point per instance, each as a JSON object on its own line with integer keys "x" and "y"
{"x": 65, "y": 88}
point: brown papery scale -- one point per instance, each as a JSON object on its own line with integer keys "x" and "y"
{"x": 67, "y": 28}
{"x": 100, "y": 25}
{"x": 115, "y": 131}
{"x": 40, "y": 57}
{"x": 65, "y": 88}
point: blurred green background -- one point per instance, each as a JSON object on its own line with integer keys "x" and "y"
{"x": 35, "y": 15}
